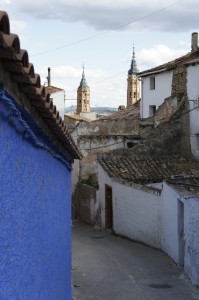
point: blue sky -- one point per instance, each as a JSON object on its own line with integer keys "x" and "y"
{"x": 64, "y": 34}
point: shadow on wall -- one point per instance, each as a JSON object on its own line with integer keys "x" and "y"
{"x": 85, "y": 205}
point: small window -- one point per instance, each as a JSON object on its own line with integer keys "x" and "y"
{"x": 152, "y": 83}
{"x": 130, "y": 95}
{"x": 134, "y": 95}
{"x": 152, "y": 110}
{"x": 130, "y": 145}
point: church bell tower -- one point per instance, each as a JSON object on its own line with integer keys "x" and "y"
{"x": 133, "y": 83}
{"x": 83, "y": 96}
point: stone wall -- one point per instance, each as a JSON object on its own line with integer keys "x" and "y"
{"x": 179, "y": 82}
{"x": 109, "y": 127}
{"x": 85, "y": 204}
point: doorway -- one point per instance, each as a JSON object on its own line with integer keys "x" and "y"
{"x": 108, "y": 207}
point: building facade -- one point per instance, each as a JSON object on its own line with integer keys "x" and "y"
{"x": 83, "y": 96}
{"x": 36, "y": 159}
{"x": 133, "y": 83}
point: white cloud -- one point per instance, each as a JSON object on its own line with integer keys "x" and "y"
{"x": 67, "y": 72}
{"x": 2, "y": 2}
{"x": 111, "y": 14}
{"x": 157, "y": 55}
{"x": 17, "y": 25}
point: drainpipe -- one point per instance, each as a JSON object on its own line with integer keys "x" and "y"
{"x": 142, "y": 83}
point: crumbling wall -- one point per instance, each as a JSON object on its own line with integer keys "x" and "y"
{"x": 170, "y": 132}
{"x": 103, "y": 127}
{"x": 86, "y": 207}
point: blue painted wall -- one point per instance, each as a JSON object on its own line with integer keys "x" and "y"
{"x": 35, "y": 217}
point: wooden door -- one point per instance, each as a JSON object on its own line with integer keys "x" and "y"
{"x": 108, "y": 207}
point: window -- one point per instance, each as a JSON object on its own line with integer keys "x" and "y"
{"x": 134, "y": 95}
{"x": 152, "y": 83}
{"x": 130, "y": 145}
{"x": 130, "y": 95}
{"x": 152, "y": 109}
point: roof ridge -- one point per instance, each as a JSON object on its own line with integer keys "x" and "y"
{"x": 16, "y": 62}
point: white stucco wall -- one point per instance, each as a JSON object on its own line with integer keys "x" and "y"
{"x": 193, "y": 96}
{"x": 191, "y": 231}
{"x": 89, "y": 115}
{"x": 156, "y": 97}
{"x": 136, "y": 213}
{"x": 143, "y": 215}
{"x": 169, "y": 222}
{"x": 58, "y": 100}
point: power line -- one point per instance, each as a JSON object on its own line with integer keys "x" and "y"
{"x": 107, "y": 31}
{"x": 118, "y": 74}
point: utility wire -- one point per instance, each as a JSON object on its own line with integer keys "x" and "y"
{"x": 123, "y": 72}
{"x": 107, "y": 31}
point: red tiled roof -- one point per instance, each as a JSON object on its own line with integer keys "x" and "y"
{"x": 127, "y": 166}
{"x": 77, "y": 117}
{"x": 192, "y": 61}
{"x": 16, "y": 62}
{"x": 53, "y": 89}
{"x": 133, "y": 112}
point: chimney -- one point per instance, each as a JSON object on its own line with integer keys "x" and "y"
{"x": 194, "y": 41}
{"x": 48, "y": 78}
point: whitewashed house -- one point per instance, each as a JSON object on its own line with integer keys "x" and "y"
{"x": 193, "y": 98}
{"x": 166, "y": 80}
{"x": 152, "y": 200}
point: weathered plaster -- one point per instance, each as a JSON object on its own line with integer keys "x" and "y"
{"x": 35, "y": 219}
{"x": 191, "y": 224}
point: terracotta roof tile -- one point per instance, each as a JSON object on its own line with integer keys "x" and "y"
{"x": 133, "y": 112}
{"x": 16, "y": 62}
{"x": 125, "y": 165}
{"x": 53, "y": 89}
{"x": 77, "y": 117}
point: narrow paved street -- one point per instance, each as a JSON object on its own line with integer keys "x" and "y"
{"x": 107, "y": 267}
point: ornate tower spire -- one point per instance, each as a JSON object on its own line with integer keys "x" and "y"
{"x": 83, "y": 95}
{"x": 133, "y": 84}
{"x": 83, "y": 83}
{"x": 133, "y": 69}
